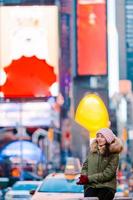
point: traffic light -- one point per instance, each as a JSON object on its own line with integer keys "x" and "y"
{"x": 51, "y": 134}
{"x": 15, "y": 172}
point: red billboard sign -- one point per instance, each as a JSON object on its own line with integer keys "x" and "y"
{"x": 91, "y": 35}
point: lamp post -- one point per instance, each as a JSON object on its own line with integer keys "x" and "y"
{"x": 20, "y": 132}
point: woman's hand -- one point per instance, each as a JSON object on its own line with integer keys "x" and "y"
{"x": 83, "y": 179}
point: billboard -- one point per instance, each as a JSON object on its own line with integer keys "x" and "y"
{"x": 28, "y": 114}
{"x": 28, "y": 59}
{"x": 91, "y": 37}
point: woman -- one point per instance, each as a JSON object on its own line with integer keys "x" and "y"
{"x": 98, "y": 174}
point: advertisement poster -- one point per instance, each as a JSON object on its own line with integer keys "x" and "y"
{"x": 91, "y": 37}
{"x": 29, "y": 51}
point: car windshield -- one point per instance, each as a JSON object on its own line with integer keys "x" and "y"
{"x": 61, "y": 185}
{"x": 27, "y": 187}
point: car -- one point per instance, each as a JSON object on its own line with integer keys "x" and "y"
{"x": 21, "y": 190}
{"x": 59, "y": 186}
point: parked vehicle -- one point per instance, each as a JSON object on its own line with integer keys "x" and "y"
{"x": 21, "y": 190}
{"x": 58, "y": 186}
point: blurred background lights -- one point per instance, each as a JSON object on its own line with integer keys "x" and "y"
{"x": 1, "y": 94}
{"x": 54, "y": 89}
{"x": 92, "y": 18}
{"x": 3, "y": 77}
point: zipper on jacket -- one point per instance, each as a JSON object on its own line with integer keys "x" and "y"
{"x": 98, "y": 161}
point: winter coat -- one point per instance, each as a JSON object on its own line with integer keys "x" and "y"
{"x": 101, "y": 169}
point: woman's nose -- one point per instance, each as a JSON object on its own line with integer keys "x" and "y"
{"x": 99, "y": 138}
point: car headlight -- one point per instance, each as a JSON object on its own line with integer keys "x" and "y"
{"x": 8, "y": 197}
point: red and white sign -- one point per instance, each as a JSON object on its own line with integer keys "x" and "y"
{"x": 28, "y": 61}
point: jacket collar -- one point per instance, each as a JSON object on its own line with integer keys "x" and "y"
{"x": 114, "y": 147}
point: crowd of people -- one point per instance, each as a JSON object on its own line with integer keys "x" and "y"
{"x": 125, "y": 177}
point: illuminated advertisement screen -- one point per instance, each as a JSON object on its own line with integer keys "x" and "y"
{"x": 28, "y": 114}
{"x": 28, "y": 51}
{"x": 91, "y": 35}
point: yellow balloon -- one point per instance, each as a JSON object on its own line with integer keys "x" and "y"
{"x": 92, "y": 114}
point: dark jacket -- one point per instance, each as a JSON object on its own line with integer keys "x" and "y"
{"x": 101, "y": 169}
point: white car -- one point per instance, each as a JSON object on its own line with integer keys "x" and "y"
{"x": 60, "y": 187}
{"x": 21, "y": 190}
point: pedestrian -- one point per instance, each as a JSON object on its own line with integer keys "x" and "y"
{"x": 98, "y": 174}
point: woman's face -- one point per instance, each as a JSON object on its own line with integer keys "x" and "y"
{"x": 100, "y": 139}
